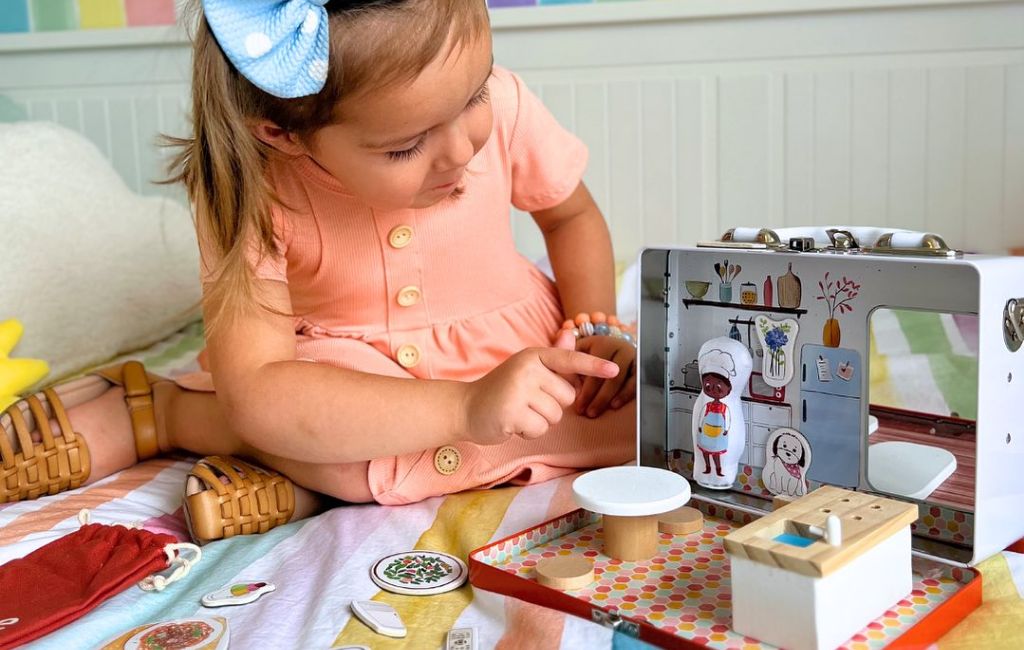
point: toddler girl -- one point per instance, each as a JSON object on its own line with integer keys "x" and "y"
{"x": 372, "y": 332}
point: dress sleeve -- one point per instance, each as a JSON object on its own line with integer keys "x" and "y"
{"x": 547, "y": 160}
{"x": 266, "y": 265}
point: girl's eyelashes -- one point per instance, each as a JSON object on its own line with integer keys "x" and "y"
{"x": 407, "y": 154}
{"x": 481, "y": 97}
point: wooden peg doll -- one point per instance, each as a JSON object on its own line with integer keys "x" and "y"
{"x": 719, "y": 431}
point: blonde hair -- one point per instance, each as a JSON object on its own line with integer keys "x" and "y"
{"x": 373, "y": 45}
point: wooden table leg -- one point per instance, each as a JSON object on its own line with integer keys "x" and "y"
{"x": 630, "y": 538}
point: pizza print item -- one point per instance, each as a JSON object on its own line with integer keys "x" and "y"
{"x": 185, "y": 634}
{"x": 419, "y": 573}
{"x": 176, "y": 636}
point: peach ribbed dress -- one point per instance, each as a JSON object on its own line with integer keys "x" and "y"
{"x": 441, "y": 293}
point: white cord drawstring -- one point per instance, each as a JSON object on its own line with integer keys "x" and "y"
{"x": 176, "y": 562}
{"x": 181, "y": 566}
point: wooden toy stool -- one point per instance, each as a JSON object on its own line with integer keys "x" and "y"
{"x": 630, "y": 500}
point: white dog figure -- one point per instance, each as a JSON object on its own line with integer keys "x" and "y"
{"x": 788, "y": 459}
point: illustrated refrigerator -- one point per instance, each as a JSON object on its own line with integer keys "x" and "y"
{"x": 829, "y": 413}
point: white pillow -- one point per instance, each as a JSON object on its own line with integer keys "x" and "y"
{"x": 90, "y": 268}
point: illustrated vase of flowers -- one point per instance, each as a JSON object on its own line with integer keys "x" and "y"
{"x": 837, "y": 296}
{"x": 775, "y": 339}
{"x": 778, "y": 340}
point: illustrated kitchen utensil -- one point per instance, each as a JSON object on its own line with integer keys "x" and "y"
{"x": 790, "y": 290}
{"x": 735, "y": 271}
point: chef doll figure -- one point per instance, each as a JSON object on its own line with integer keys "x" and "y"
{"x": 719, "y": 432}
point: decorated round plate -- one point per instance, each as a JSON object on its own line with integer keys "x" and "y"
{"x": 419, "y": 573}
{"x": 184, "y": 634}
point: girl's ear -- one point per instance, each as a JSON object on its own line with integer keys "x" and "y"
{"x": 274, "y": 136}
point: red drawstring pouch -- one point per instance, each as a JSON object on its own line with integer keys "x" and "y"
{"x": 62, "y": 581}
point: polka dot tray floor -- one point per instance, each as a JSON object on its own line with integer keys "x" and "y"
{"x": 681, "y": 597}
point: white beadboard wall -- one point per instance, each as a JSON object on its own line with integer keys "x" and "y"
{"x": 699, "y": 114}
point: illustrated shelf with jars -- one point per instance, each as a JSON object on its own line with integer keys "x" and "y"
{"x": 782, "y": 296}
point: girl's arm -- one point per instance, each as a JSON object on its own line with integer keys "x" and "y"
{"x": 580, "y": 250}
{"x": 319, "y": 413}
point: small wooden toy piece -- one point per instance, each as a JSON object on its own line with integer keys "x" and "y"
{"x": 565, "y": 572}
{"x": 460, "y": 638}
{"x": 240, "y": 593}
{"x": 379, "y": 617}
{"x": 719, "y": 431}
{"x": 681, "y": 521}
{"x": 814, "y": 572}
{"x": 630, "y": 499}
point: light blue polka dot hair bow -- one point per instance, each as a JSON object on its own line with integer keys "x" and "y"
{"x": 281, "y": 46}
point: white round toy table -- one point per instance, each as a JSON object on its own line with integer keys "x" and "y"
{"x": 630, "y": 499}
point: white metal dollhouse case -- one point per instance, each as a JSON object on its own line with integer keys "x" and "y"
{"x": 883, "y": 362}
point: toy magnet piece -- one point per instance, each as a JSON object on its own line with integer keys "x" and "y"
{"x": 239, "y": 593}
{"x": 419, "y": 573}
{"x": 719, "y": 432}
{"x": 787, "y": 461}
{"x": 778, "y": 339}
{"x": 460, "y": 638}
{"x": 631, "y": 498}
{"x": 202, "y": 633}
{"x": 379, "y": 617}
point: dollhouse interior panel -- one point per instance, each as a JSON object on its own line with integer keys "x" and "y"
{"x": 874, "y": 361}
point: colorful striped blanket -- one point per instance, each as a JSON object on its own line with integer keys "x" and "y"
{"x": 321, "y": 564}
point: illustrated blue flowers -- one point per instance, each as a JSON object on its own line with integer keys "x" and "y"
{"x": 776, "y": 338}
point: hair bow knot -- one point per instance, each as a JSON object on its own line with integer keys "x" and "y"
{"x": 281, "y": 46}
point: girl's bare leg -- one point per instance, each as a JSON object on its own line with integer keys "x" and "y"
{"x": 194, "y": 422}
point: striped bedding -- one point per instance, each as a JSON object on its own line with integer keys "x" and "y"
{"x": 319, "y": 565}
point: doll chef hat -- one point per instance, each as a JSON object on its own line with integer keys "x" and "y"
{"x": 718, "y": 362}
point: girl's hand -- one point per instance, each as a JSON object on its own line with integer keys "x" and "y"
{"x": 597, "y": 394}
{"x": 527, "y": 394}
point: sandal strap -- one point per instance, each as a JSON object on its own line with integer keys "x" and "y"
{"x": 138, "y": 395}
{"x": 57, "y": 463}
{"x": 253, "y": 501}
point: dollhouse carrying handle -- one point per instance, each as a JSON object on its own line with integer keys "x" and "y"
{"x": 870, "y": 239}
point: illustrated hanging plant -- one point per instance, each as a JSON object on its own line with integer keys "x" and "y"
{"x": 776, "y": 336}
{"x": 837, "y": 295}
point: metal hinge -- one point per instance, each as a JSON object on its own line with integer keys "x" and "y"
{"x": 613, "y": 621}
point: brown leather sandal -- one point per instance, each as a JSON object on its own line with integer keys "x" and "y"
{"x": 226, "y": 496}
{"x": 62, "y": 461}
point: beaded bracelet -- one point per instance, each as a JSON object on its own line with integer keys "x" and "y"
{"x": 599, "y": 324}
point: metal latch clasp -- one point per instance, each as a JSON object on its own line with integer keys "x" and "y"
{"x": 1013, "y": 323}
{"x": 612, "y": 620}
